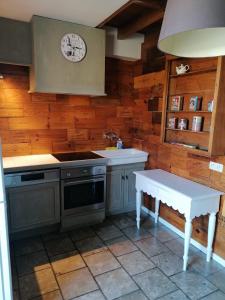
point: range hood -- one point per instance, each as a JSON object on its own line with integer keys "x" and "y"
{"x": 52, "y": 72}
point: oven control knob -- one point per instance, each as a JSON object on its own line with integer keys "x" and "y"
{"x": 68, "y": 174}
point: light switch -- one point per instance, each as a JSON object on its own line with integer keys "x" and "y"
{"x": 216, "y": 166}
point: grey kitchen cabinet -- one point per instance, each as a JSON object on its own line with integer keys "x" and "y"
{"x": 115, "y": 188}
{"x": 33, "y": 206}
{"x": 15, "y": 41}
{"x": 121, "y": 193}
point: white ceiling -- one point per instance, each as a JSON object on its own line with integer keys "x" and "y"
{"x": 86, "y": 12}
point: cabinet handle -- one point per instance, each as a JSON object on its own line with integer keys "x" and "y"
{"x": 126, "y": 177}
{"x": 123, "y": 177}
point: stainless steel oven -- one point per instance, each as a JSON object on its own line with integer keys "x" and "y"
{"x": 83, "y": 189}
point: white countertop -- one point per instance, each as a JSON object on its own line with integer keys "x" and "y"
{"x": 45, "y": 161}
{"x": 17, "y": 162}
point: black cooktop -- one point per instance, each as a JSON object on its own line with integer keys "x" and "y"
{"x": 70, "y": 156}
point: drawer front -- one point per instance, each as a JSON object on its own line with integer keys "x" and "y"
{"x": 33, "y": 206}
{"x": 115, "y": 188}
{"x": 130, "y": 190}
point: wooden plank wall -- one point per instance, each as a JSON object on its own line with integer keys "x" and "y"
{"x": 46, "y": 123}
{"x": 175, "y": 160}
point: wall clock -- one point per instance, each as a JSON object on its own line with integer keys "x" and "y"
{"x": 73, "y": 47}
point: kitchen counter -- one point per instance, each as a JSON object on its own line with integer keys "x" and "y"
{"x": 48, "y": 161}
{"x": 43, "y": 161}
{"x": 26, "y": 162}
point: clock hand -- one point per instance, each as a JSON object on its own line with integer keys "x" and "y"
{"x": 75, "y": 47}
{"x": 69, "y": 42}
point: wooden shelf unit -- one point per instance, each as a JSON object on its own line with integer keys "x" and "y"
{"x": 189, "y": 131}
{"x": 206, "y": 79}
{"x": 189, "y": 112}
{"x": 194, "y": 72}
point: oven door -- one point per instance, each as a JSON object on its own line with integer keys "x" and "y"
{"x": 83, "y": 194}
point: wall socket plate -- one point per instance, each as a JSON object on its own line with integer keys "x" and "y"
{"x": 216, "y": 166}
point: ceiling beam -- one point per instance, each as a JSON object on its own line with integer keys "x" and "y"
{"x": 150, "y": 42}
{"x": 153, "y": 4}
{"x": 115, "y": 14}
{"x": 140, "y": 23}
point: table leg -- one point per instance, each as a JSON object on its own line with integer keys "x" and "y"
{"x": 187, "y": 238}
{"x": 157, "y": 202}
{"x": 138, "y": 207}
{"x": 211, "y": 231}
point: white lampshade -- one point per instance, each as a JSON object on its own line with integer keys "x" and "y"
{"x": 193, "y": 28}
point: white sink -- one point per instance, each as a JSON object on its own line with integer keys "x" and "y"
{"x": 123, "y": 156}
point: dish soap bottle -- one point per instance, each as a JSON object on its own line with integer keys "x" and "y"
{"x": 119, "y": 144}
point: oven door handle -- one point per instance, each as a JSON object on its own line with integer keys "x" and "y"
{"x": 76, "y": 182}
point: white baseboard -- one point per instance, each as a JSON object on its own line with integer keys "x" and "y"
{"x": 216, "y": 257}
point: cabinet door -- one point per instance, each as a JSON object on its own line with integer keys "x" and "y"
{"x": 115, "y": 188}
{"x": 33, "y": 206}
{"x": 130, "y": 191}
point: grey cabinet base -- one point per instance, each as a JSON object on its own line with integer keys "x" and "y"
{"x": 34, "y": 232}
{"x": 66, "y": 224}
{"x": 75, "y": 221}
{"x": 117, "y": 212}
{"x": 33, "y": 206}
{"x": 121, "y": 192}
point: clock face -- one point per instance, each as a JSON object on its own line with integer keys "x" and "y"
{"x": 73, "y": 47}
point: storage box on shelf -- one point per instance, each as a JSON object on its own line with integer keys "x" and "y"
{"x": 205, "y": 81}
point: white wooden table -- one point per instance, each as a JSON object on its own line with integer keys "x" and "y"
{"x": 189, "y": 198}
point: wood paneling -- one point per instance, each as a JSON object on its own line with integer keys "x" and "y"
{"x": 148, "y": 80}
{"x": 176, "y": 159}
{"x": 34, "y": 122}
{"x": 15, "y": 149}
{"x": 44, "y": 123}
{"x": 196, "y": 84}
{"x": 195, "y": 64}
{"x": 51, "y": 123}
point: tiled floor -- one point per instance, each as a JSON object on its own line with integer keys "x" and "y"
{"x": 113, "y": 260}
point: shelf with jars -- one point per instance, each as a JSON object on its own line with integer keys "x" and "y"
{"x": 194, "y": 105}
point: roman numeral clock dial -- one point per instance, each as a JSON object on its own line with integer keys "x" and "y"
{"x": 73, "y": 47}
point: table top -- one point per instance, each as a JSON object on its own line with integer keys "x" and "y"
{"x": 188, "y": 188}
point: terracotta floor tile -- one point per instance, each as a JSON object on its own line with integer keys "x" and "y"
{"x": 37, "y": 283}
{"x": 59, "y": 246}
{"x": 101, "y": 262}
{"x": 32, "y": 262}
{"x": 116, "y": 283}
{"x": 76, "y": 283}
{"x": 26, "y": 246}
{"x": 67, "y": 262}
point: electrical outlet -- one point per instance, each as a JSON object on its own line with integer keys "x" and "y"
{"x": 215, "y": 166}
